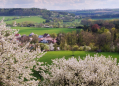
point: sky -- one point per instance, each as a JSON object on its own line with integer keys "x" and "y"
{"x": 60, "y": 4}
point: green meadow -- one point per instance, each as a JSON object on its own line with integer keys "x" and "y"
{"x": 41, "y": 31}
{"x": 68, "y": 54}
{"x": 34, "y": 19}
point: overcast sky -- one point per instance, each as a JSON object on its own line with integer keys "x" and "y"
{"x": 60, "y": 4}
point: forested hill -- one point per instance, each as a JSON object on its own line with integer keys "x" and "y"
{"x": 46, "y": 14}
{"x": 94, "y": 13}
{"x": 24, "y": 12}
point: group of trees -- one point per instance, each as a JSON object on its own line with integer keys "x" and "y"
{"x": 102, "y": 23}
{"x": 23, "y": 24}
{"x": 26, "y": 24}
{"x": 97, "y": 38}
{"x": 9, "y": 19}
{"x": 24, "y": 12}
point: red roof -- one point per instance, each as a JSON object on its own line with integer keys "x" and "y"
{"x": 16, "y": 34}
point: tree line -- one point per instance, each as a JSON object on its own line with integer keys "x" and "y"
{"x": 25, "y": 12}
{"x": 96, "y": 38}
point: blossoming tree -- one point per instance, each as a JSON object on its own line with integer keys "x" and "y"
{"x": 16, "y": 62}
{"x": 92, "y": 71}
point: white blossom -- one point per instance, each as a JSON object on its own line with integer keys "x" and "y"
{"x": 92, "y": 71}
{"x": 15, "y": 62}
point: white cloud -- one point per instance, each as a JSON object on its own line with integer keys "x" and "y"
{"x": 60, "y": 4}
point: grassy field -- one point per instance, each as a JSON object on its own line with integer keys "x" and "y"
{"x": 59, "y": 54}
{"x": 34, "y": 19}
{"x": 41, "y": 31}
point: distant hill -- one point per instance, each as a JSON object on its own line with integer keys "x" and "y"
{"x": 46, "y": 14}
{"x": 90, "y": 11}
{"x": 25, "y": 12}
{"x": 94, "y": 13}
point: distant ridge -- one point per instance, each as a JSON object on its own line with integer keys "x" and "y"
{"x": 24, "y": 12}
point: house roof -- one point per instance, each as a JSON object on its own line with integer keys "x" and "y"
{"x": 17, "y": 34}
{"x": 44, "y": 41}
{"x": 40, "y": 36}
{"x": 31, "y": 34}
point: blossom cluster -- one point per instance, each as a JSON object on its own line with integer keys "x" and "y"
{"x": 16, "y": 62}
{"x": 91, "y": 71}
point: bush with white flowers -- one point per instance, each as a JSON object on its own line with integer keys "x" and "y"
{"x": 91, "y": 71}
{"x": 16, "y": 62}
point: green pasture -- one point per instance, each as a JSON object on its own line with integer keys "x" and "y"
{"x": 34, "y": 19}
{"x": 68, "y": 54}
{"x": 41, "y": 31}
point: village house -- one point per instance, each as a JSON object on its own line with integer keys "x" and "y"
{"x": 31, "y": 34}
{"x": 17, "y": 35}
{"x": 46, "y": 38}
{"x": 45, "y": 26}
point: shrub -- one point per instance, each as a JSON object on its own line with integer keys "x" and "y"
{"x": 81, "y": 48}
{"x": 117, "y": 48}
{"x": 93, "y": 47}
{"x": 67, "y": 47}
{"x": 24, "y": 39}
{"x": 106, "y": 48}
{"x": 75, "y": 48}
{"x": 44, "y": 46}
{"x": 92, "y": 71}
{"x": 34, "y": 39}
{"x": 85, "y": 48}
{"x": 55, "y": 47}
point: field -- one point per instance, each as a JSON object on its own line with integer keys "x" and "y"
{"x": 34, "y": 19}
{"x": 41, "y": 31}
{"x": 67, "y": 54}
